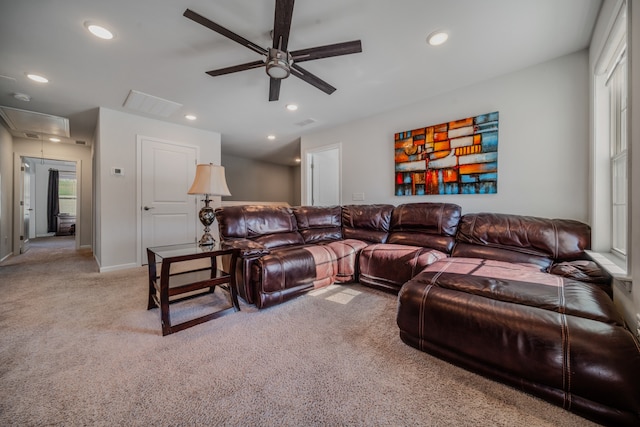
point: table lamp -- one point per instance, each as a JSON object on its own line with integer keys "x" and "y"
{"x": 209, "y": 181}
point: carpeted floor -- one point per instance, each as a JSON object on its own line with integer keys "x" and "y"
{"x": 79, "y": 348}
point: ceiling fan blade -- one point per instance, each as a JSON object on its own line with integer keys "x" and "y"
{"x": 303, "y": 74}
{"x": 327, "y": 51}
{"x": 282, "y": 24}
{"x": 236, "y": 68}
{"x": 223, "y": 31}
{"x": 274, "y": 89}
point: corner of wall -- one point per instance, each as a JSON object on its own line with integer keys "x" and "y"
{"x": 6, "y": 193}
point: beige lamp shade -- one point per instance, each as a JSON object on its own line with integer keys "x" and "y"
{"x": 210, "y": 180}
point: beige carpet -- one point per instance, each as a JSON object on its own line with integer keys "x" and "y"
{"x": 79, "y": 348}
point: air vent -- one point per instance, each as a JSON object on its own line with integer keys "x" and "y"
{"x": 150, "y": 104}
{"x": 81, "y": 142}
{"x": 32, "y": 135}
{"x": 306, "y": 122}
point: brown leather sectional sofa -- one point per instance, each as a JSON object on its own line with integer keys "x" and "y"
{"x": 511, "y": 297}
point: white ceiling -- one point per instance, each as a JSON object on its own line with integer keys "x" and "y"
{"x": 159, "y": 52}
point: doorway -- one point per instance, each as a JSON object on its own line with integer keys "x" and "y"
{"x": 323, "y": 176}
{"x": 32, "y": 222}
{"x": 25, "y": 205}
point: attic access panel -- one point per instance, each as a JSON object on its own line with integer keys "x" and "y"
{"x": 31, "y": 122}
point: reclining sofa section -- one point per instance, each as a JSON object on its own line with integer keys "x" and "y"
{"x": 511, "y": 297}
{"x": 288, "y": 251}
{"x": 494, "y": 308}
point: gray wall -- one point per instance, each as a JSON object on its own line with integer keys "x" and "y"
{"x": 256, "y": 181}
{"x": 543, "y": 146}
{"x": 117, "y": 233}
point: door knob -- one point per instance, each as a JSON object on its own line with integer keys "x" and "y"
{"x": 146, "y": 208}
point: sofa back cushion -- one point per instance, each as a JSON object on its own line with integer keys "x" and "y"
{"x": 318, "y": 223}
{"x": 430, "y": 225}
{"x": 517, "y": 238}
{"x": 271, "y": 226}
{"x": 366, "y": 222}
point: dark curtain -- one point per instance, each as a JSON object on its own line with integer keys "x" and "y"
{"x": 53, "y": 204}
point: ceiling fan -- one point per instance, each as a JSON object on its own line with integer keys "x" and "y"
{"x": 279, "y": 62}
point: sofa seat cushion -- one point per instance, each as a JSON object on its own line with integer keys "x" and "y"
{"x": 288, "y": 272}
{"x": 388, "y": 266}
{"x": 584, "y": 365}
{"x": 521, "y": 284}
{"x": 347, "y": 252}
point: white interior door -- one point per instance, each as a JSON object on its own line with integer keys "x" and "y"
{"x": 323, "y": 176}
{"x": 25, "y": 206}
{"x": 168, "y": 213}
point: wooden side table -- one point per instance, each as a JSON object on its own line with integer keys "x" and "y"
{"x": 170, "y": 284}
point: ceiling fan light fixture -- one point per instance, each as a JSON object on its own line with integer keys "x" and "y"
{"x": 278, "y": 63}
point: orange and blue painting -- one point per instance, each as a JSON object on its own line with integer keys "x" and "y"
{"x": 458, "y": 157}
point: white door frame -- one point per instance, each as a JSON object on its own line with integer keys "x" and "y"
{"x": 24, "y": 225}
{"x": 139, "y": 140}
{"x": 307, "y": 191}
{"x": 18, "y": 228}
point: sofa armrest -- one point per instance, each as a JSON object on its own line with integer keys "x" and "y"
{"x": 248, "y": 248}
{"x": 249, "y": 252}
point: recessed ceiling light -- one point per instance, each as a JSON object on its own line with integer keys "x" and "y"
{"x": 437, "y": 38}
{"x": 53, "y": 139}
{"x": 271, "y": 137}
{"x": 99, "y": 31}
{"x": 190, "y": 117}
{"x": 38, "y": 78}
{"x": 297, "y": 159}
{"x": 22, "y": 97}
{"x": 292, "y": 107}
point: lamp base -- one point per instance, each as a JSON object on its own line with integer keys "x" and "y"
{"x": 207, "y": 240}
{"x": 207, "y": 216}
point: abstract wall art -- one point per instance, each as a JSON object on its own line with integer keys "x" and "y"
{"x": 458, "y": 157}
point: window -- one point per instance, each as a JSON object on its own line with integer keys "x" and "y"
{"x": 610, "y": 159}
{"x": 617, "y": 85}
{"x": 67, "y": 193}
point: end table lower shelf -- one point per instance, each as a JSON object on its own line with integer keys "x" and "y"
{"x": 188, "y": 281}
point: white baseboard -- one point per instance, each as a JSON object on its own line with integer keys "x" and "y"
{"x": 118, "y": 267}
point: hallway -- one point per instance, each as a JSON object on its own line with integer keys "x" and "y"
{"x": 52, "y": 249}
